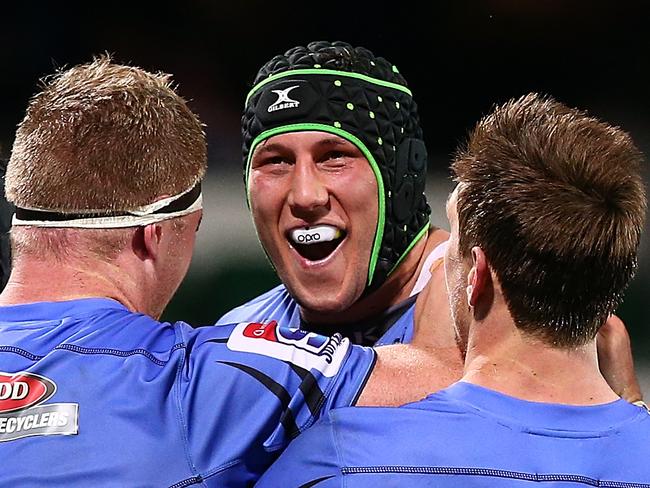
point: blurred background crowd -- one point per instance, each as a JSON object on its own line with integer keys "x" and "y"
{"x": 459, "y": 57}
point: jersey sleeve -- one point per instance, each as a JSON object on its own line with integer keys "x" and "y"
{"x": 246, "y": 390}
{"x": 310, "y": 461}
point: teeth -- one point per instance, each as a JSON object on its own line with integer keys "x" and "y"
{"x": 315, "y": 235}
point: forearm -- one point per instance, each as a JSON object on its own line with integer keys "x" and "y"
{"x": 406, "y": 373}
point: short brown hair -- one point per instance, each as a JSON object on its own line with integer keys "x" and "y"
{"x": 556, "y": 201}
{"x": 104, "y": 137}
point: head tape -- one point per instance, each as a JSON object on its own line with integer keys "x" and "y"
{"x": 172, "y": 207}
{"x": 380, "y": 118}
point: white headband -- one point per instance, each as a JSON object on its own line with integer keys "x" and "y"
{"x": 167, "y": 208}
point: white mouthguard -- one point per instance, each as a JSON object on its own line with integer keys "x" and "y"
{"x": 315, "y": 235}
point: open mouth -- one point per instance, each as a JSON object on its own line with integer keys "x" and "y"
{"x": 316, "y": 243}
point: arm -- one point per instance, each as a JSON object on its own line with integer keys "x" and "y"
{"x": 254, "y": 387}
{"x": 246, "y": 390}
{"x": 408, "y": 372}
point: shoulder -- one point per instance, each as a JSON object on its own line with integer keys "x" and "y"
{"x": 118, "y": 332}
{"x": 269, "y": 345}
{"x": 254, "y": 368}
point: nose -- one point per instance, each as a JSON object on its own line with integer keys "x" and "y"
{"x": 308, "y": 196}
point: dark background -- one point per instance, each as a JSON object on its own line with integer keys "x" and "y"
{"x": 459, "y": 57}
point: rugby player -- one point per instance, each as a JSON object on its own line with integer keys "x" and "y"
{"x": 106, "y": 173}
{"x": 335, "y": 167}
{"x": 545, "y": 226}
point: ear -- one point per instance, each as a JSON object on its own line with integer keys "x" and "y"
{"x": 147, "y": 241}
{"x": 478, "y": 276}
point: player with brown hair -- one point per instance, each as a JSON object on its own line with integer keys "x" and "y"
{"x": 546, "y": 221}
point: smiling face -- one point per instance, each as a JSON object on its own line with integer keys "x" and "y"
{"x": 314, "y": 201}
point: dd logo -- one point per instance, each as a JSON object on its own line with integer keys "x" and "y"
{"x": 14, "y": 391}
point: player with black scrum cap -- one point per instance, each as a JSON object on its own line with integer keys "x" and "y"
{"x": 335, "y": 166}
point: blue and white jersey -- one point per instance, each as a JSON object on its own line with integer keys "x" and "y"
{"x": 393, "y": 325}
{"x": 467, "y": 436}
{"x": 92, "y": 394}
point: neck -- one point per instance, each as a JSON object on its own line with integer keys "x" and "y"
{"x": 37, "y": 280}
{"x": 395, "y": 289}
{"x": 502, "y": 358}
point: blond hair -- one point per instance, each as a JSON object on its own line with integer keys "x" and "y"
{"x": 104, "y": 137}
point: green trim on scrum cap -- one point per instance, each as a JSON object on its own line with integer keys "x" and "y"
{"x": 298, "y": 72}
{"x": 381, "y": 214}
{"x": 415, "y": 240}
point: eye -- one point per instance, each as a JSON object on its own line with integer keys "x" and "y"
{"x": 274, "y": 160}
{"x": 335, "y": 159}
{"x": 258, "y": 162}
{"x": 334, "y": 155}
{"x": 268, "y": 161}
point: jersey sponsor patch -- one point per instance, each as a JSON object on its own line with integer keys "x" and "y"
{"x": 22, "y": 412}
{"x": 299, "y": 347}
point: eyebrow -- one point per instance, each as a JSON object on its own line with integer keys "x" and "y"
{"x": 267, "y": 148}
{"x": 264, "y": 148}
{"x": 334, "y": 141}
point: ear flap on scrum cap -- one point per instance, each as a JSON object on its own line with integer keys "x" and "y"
{"x": 410, "y": 163}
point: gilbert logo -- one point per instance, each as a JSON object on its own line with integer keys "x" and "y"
{"x": 22, "y": 413}
{"x": 283, "y": 100}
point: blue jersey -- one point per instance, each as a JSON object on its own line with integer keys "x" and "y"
{"x": 393, "y": 325}
{"x": 468, "y": 436}
{"x": 92, "y": 394}
{"x": 278, "y": 304}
